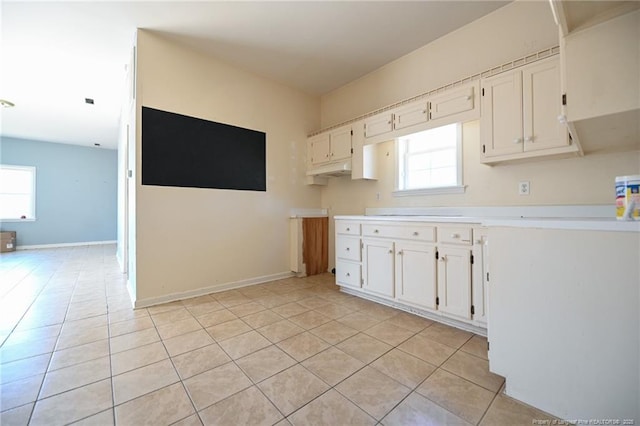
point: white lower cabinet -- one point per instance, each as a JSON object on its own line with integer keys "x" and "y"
{"x": 378, "y": 264}
{"x": 415, "y": 274}
{"x": 454, "y": 281}
{"x": 434, "y": 268}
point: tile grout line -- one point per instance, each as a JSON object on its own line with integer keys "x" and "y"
{"x": 46, "y": 371}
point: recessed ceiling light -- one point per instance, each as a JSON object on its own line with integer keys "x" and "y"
{"x": 88, "y": 101}
{"x": 6, "y": 104}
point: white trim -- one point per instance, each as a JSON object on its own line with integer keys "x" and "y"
{"x": 29, "y": 219}
{"x": 144, "y": 303}
{"x": 83, "y": 243}
{"x": 458, "y": 189}
{"x": 420, "y": 312}
{"x": 132, "y": 294}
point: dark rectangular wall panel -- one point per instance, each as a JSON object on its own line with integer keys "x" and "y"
{"x": 183, "y": 151}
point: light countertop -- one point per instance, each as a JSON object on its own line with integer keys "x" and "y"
{"x": 568, "y": 223}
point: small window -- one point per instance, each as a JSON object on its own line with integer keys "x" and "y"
{"x": 430, "y": 161}
{"x": 17, "y": 192}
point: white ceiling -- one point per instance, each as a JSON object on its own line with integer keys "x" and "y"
{"x": 56, "y": 54}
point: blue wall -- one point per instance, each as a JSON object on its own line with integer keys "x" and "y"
{"x": 76, "y": 192}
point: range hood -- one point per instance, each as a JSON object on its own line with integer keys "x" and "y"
{"x": 340, "y": 168}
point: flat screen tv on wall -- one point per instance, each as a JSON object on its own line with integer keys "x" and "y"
{"x": 183, "y": 151}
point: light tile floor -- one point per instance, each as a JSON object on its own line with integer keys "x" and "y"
{"x": 294, "y": 351}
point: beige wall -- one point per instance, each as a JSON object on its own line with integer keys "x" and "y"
{"x": 190, "y": 238}
{"x": 578, "y": 180}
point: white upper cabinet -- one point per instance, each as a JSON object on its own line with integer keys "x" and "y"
{"x": 501, "y": 122}
{"x": 454, "y": 102}
{"x": 364, "y": 158}
{"x": 520, "y": 111}
{"x": 378, "y": 125}
{"x": 318, "y": 149}
{"x": 542, "y": 105}
{"x": 600, "y": 66}
{"x": 410, "y": 115}
{"x": 340, "y": 143}
{"x": 329, "y": 146}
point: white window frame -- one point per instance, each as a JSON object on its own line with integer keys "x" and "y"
{"x": 32, "y": 216}
{"x": 458, "y": 188}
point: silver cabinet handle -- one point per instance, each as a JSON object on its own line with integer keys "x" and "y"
{"x": 443, "y": 258}
{"x": 400, "y": 253}
{"x": 517, "y": 140}
{"x": 455, "y": 235}
{"x": 416, "y": 233}
{"x": 348, "y": 229}
{"x": 528, "y": 139}
{"x": 390, "y": 251}
{"x": 348, "y": 274}
{"x": 375, "y": 231}
{"x": 348, "y": 249}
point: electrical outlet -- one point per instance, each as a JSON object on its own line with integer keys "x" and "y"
{"x": 524, "y": 187}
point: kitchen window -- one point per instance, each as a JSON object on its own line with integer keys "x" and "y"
{"x": 17, "y": 192}
{"x": 430, "y": 162}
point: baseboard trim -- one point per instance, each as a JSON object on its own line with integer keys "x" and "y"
{"x": 145, "y": 303}
{"x": 83, "y": 243}
{"x": 482, "y": 331}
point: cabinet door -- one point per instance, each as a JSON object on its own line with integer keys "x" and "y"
{"x": 454, "y": 101}
{"x": 318, "y": 149}
{"x": 454, "y": 282}
{"x": 378, "y": 125}
{"x": 340, "y": 143}
{"x": 480, "y": 275}
{"x": 542, "y": 106}
{"x": 501, "y": 120}
{"x": 410, "y": 115}
{"x": 416, "y": 274}
{"x": 378, "y": 262}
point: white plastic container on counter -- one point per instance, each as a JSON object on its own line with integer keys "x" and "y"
{"x": 628, "y": 197}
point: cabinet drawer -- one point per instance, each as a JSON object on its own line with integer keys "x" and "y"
{"x": 348, "y": 248}
{"x": 455, "y": 235}
{"x": 417, "y": 232}
{"x": 348, "y": 273}
{"x": 349, "y": 228}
